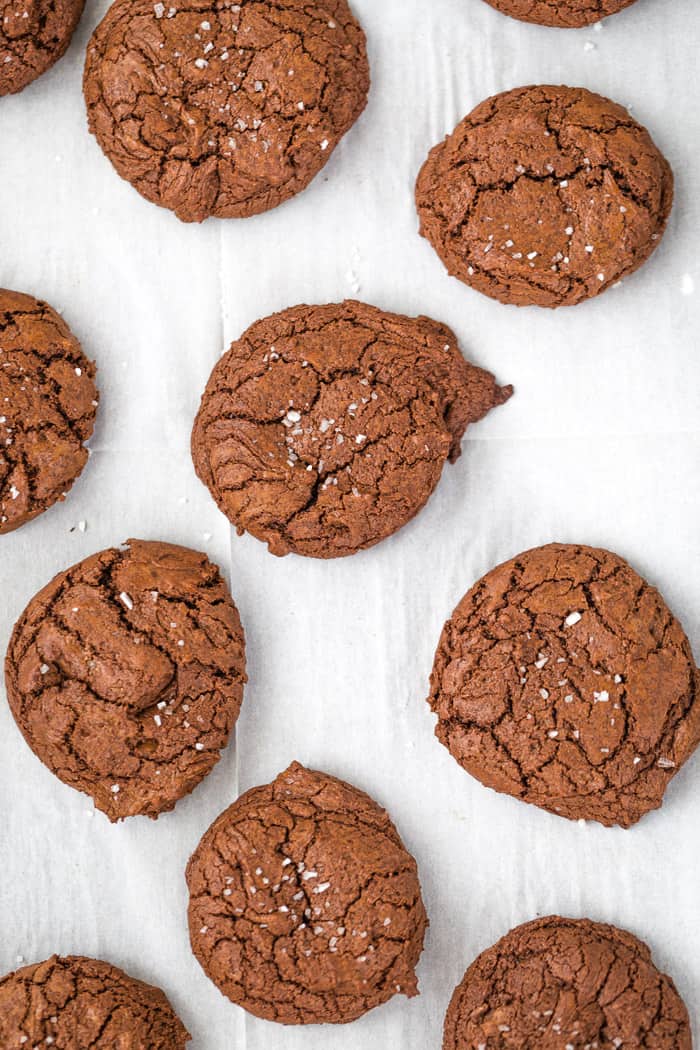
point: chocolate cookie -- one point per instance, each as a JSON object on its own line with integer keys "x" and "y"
{"x": 125, "y": 675}
{"x": 563, "y": 679}
{"x": 305, "y": 907}
{"x": 48, "y": 402}
{"x": 224, "y": 109}
{"x": 73, "y": 1003}
{"x": 325, "y": 429}
{"x": 33, "y": 35}
{"x": 565, "y": 984}
{"x": 567, "y": 14}
{"x": 545, "y": 196}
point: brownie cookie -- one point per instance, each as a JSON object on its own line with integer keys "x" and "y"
{"x": 563, "y": 679}
{"x": 567, "y": 14}
{"x": 125, "y": 675}
{"x": 305, "y": 907}
{"x": 48, "y": 403}
{"x": 224, "y": 109}
{"x": 563, "y": 983}
{"x": 73, "y": 1003}
{"x": 545, "y": 196}
{"x": 325, "y": 429}
{"x": 33, "y": 35}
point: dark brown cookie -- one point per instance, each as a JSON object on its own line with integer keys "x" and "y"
{"x": 545, "y": 196}
{"x": 125, "y": 675}
{"x": 33, "y": 35}
{"x": 566, "y": 14}
{"x": 48, "y": 403}
{"x": 73, "y": 1003}
{"x": 563, "y": 679}
{"x": 325, "y": 429}
{"x": 224, "y": 109}
{"x": 305, "y": 907}
{"x": 565, "y": 984}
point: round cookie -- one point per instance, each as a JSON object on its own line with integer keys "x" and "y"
{"x": 48, "y": 402}
{"x": 72, "y": 1003}
{"x": 566, "y": 14}
{"x": 305, "y": 907}
{"x": 325, "y": 429}
{"x": 125, "y": 675}
{"x": 545, "y": 196}
{"x": 33, "y": 35}
{"x": 563, "y": 679}
{"x": 557, "y": 983}
{"x": 224, "y": 109}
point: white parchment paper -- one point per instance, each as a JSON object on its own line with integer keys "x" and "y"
{"x": 601, "y": 444}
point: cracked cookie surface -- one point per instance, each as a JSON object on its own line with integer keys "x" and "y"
{"x": 564, "y": 680}
{"x": 566, "y": 14}
{"x": 325, "y": 429}
{"x": 125, "y": 675}
{"x": 212, "y": 108}
{"x": 305, "y": 907}
{"x": 545, "y": 196}
{"x": 556, "y": 983}
{"x": 72, "y": 1003}
{"x": 48, "y": 403}
{"x": 33, "y": 35}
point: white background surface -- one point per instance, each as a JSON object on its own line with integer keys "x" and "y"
{"x": 601, "y": 444}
